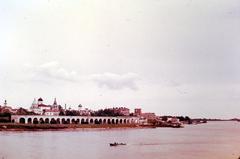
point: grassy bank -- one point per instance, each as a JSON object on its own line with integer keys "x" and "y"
{"x": 23, "y": 127}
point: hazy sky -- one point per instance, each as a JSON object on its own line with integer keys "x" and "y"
{"x": 172, "y": 57}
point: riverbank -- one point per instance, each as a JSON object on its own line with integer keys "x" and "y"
{"x": 36, "y": 127}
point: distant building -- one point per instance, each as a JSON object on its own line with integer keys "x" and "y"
{"x": 121, "y": 111}
{"x": 51, "y": 112}
{"x": 39, "y": 108}
{"x": 7, "y": 109}
{"x": 85, "y": 112}
{"x": 149, "y": 116}
{"x": 137, "y": 111}
{"x": 173, "y": 120}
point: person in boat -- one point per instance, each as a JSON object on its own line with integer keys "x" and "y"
{"x": 115, "y": 144}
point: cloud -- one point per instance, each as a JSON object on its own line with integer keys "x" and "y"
{"x": 52, "y": 70}
{"x": 116, "y": 81}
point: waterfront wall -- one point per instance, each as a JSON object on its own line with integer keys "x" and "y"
{"x": 43, "y": 119}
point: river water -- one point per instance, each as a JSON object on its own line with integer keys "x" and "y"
{"x": 214, "y": 140}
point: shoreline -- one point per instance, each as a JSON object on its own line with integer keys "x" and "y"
{"x": 45, "y": 127}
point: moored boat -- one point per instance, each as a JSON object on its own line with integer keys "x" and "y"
{"x": 116, "y": 144}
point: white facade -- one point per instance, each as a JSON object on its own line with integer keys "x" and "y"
{"x": 39, "y": 108}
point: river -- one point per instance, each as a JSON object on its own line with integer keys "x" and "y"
{"x": 214, "y": 140}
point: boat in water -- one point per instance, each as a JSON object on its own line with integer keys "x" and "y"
{"x": 117, "y": 144}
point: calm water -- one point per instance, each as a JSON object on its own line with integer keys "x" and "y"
{"x": 215, "y": 140}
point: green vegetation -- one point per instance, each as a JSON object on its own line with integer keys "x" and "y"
{"x": 185, "y": 119}
{"x": 5, "y": 117}
{"x": 22, "y": 111}
{"x": 72, "y": 113}
{"x": 106, "y": 112}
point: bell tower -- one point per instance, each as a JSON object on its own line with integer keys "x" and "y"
{"x": 5, "y": 103}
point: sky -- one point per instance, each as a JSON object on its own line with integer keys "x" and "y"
{"x": 170, "y": 57}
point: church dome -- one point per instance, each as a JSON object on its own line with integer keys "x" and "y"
{"x": 40, "y": 99}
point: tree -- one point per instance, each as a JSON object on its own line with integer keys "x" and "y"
{"x": 188, "y": 120}
{"x": 22, "y": 111}
{"x": 61, "y": 113}
{"x": 164, "y": 118}
{"x": 106, "y": 112}
{"x": 181, "y": 118}
{"x": 5, "y": 117}
{"x": 72, "y": 113}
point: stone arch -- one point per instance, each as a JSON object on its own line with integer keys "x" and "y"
{"x": 58, "y": 121}
{"x": 53, "y": 121}
{"x": 125, "y": 121}
{"x": 128, "y": 121}
{"x": 41, "y": 121}
{"x": 135, "y": 121}
{"x": 116, "y": 121}
{"x": 96, "y": 121}
{"x": 73, "y": 121}
{"x": 104, "y": 121}
{"x": 120, "y": 121}
{"x": 68, "y": 121}
{"x": 13, "y": 121}
{"x": 91, "y": 121}
{"x": 132, "y": 121}
{"x": 82, "y": 121}
{"x": 100, "y": 121}
{"x": 113, "y": 121}
{"x": 35, "y": 121}
{"x": 109, "y": 121}
{"x": 77, "y": 121}
{"x": 22, "y": 120}
{"x": 87, "y": 121}
{"x": 47, "y": 121}
{"x": 63, "y": 121}
{"x": 29, "y": 121}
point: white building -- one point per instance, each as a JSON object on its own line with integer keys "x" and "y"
{"x": 39, "y": 108}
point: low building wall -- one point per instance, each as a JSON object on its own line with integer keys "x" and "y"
{"x": 43, "y": 119}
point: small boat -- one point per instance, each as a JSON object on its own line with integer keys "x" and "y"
{"x": 117, "y": 144}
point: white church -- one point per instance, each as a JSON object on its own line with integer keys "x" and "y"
{"x": 42, "y": 109}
